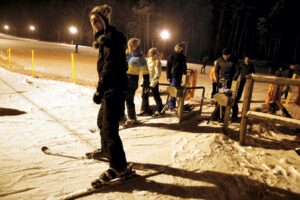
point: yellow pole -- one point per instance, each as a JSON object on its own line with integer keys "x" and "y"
{"x": 73, "y": 68}
{"x": 32, "y": 62}
{"x": 9, "y": 57}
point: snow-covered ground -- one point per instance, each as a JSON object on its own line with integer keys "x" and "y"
{"x": 194, "y": 160}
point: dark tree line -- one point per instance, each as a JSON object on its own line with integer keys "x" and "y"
{"x": 266, "y": 29}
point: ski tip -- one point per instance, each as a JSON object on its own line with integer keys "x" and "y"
{"x": 44, "y": 149}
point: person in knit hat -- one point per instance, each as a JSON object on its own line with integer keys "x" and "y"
{"x": 136, "y": 65}
{"x": 154, "y": 66}
{"x": 176, "y": 67}
{"x": 111, "y": 92}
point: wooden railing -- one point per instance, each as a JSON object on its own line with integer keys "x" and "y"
{"x": 247, "y": 114}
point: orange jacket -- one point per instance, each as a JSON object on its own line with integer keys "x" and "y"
{"x": 212, "y": 75}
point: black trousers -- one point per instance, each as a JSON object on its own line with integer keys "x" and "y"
{"x": 240, "y": 89}
{"x": 133, "y": 86}
{"x": 108, "y": 123}
{"x": 157, "y": 99}
{"x": 214, "y": 89}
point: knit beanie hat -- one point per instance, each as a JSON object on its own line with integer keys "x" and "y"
{"x": 102, "y": 13}
{"x": 133, "y": 44}
{"x": 226, "y": 51}
{"x": 100, "y": 18}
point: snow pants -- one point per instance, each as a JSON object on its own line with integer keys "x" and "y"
{"x": 108, "y": 123}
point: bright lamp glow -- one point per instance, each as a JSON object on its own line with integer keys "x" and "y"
{"x": 165, "y": 34}
{"x": 32, "y": 28}
{"x": 6, "y": 27}
{"x": 73, "y": 30}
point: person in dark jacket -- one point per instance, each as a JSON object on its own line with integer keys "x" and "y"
{"x": 226, "y": 67}
{"x": 247, "y": 67}
{"x": 225, "y": 71}
{"x": 176, "y": 67}
{"x": 111, "y": 90}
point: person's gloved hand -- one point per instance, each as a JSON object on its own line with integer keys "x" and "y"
{"x": 97, "y": 98}
{"x": 146, "y": 90}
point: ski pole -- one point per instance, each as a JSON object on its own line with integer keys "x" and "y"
{"x": 73, "y": 68}
{"x": 32, "y": 63}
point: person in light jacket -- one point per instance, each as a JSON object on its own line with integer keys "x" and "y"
{"x": 154, "y": 66}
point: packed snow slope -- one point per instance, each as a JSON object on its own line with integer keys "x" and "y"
{"x": 192, "y": 160}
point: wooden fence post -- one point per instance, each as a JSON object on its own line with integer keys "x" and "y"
{"x": 246, "y": 106}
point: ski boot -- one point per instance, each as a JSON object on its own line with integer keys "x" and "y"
{"x": 111, "y": 176}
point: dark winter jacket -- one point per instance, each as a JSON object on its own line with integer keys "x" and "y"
{"x": 112, "y": 65}
{"x": 225, "y": 69}
{"x": 176, "y": 65}
{"x": 243, "y": 70}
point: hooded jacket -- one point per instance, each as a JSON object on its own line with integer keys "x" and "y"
{"x": 112, "y": 65}
{"x": 176, "y": 65}
{"x": 154, "y": 66}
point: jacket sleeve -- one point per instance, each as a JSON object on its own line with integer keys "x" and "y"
{"x": 169, "y": 67}
{"x": 107, "y": 70}
{"x": 157, "y": 69}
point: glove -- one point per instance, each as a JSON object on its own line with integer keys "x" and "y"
{"x": 96, "y": 45}
{"x": 146, "y": 90}
{"x": 97, "y": 98}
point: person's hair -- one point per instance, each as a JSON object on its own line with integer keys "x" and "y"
{"x": 153, "y": 52}
{"x": 133, "y": 44}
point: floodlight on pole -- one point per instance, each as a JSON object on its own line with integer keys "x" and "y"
{"x": 6, "y": 27}
{"x": 73, "y": 30}
{"x": 165, "y": 35}
{"x": 32, "y": 28}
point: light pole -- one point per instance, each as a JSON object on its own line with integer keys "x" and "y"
{"x": 73, "y": 30}
{"x": 165, "y": 35}
{"x": 32, "y": 29}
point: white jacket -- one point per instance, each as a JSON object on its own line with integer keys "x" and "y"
{"x": 154, "y": 67}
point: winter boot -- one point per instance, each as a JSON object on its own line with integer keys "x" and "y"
{"x": 112, "y": 175}
{"x": 130, "y": 123}
{"x": 146, "y": 112}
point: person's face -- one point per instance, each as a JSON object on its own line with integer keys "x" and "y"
{"x": 226, "y": 56}
{"x": 96, "y": 23}
{"x": 247, "y": 60}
